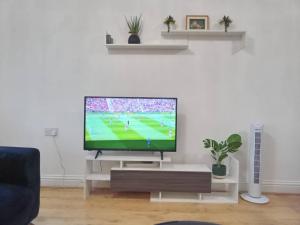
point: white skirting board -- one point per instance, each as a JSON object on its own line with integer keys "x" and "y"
{"x": 277, "y": 186}
{"x": 77, "y": 181}
{"x": 61, "y": 181}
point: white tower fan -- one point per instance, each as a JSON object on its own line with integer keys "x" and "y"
{"x": 255, "y": 165}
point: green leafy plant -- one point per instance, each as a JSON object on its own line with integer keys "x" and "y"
{"x": 134, "y": 24}
{"x": 168, "y": 21}
{"x": 226, "y": 21}
{"x": 219, "y": 150}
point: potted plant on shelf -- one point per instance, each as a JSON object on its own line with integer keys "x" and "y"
{"x": 226, "y": 21}
{"x": 168, "y": 21}
{"x": 219, "y": 152}
{"x": 135, "y": 26}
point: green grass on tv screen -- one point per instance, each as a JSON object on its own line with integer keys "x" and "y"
{"x": 132, "y": 131}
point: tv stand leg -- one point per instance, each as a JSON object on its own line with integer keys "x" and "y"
{"x": 87, "y": 188}
{"x": 161, "y": 155}
{"x": 97, "y": 154}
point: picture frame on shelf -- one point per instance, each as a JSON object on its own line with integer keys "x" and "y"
{"x": 197, "y": 22}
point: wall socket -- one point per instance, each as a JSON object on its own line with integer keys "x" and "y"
{"x": 51, "y": 131}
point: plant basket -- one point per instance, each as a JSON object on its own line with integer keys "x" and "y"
{"x": 134, "y": 39}
{"x": 219, "y": 171}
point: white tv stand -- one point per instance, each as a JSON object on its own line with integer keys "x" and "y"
{"x": 227, "y": 194}
{"x": 91, "y": 176}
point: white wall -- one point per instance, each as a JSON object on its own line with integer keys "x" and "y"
{"x": 52, "y": 54}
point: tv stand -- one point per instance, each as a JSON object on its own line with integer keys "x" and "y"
{"x": 168, "y": 182}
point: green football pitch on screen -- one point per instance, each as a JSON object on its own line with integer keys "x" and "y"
{"x": 133, "y": 130}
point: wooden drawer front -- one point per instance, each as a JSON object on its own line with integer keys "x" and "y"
{"x": 153, "y": 181}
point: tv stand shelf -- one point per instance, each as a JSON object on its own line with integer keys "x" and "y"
{"x": 123, "y": 159}
{"x": 91, "y": 176}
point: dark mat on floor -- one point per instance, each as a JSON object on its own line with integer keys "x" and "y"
{"x": 186, "y": 223}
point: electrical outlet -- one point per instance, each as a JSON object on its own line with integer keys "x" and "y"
{"x": 51, "y": 131}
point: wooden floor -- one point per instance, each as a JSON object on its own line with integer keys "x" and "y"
{"x": 62, "y": 206}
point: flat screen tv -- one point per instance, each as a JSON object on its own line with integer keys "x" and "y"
{"x": 130, "y": 123}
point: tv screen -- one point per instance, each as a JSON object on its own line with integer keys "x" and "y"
{"x": 130, "y": 123}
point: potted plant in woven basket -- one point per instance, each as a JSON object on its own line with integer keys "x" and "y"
{"x": 219, "y": 152}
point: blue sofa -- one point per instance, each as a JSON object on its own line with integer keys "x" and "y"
{"x": 19, "y": 185}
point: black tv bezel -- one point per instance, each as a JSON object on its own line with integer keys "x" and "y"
{"x": 129, "y": 150}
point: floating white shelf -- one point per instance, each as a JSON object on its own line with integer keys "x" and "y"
{"x": 215, "y": 33}
{"x": 147, "y": 46}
